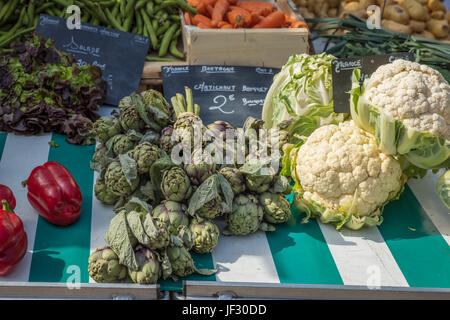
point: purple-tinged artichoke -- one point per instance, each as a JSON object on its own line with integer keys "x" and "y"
{"x": 219, "y": 128}
{"x": 172, "y": 213}
{"x": 200, "y": 167}
{"x": 166, "y": 141}
{"x": 105, "y": 128}
{"x": 211, "y": 209}
{"x": 149, "y": 269}
{"x": 145, "y": 154}
{"x": 104, "y": 266}
{"x": 235, "y": 178}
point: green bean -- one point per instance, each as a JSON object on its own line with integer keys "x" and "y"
{"x": 4, "y": 9}
{"x": 115, "y": 9}
{"x": 44, "y": 7}
{"x": 13, "y": 30}
{"x": 151, "y": 31}
{"x": 150, "y": 8}
{"x": 113, "y": 20}
{"x": 139, "y": 24}
{"x": 174, "y": 50}
{"x": 166, "y": 40}
{"x": 122, "y": 9}
{"x": 10, "y": 10}
{"x": 95, "y": 21}
{"x": 30, "y": 13}
{"x": 162, "y": 30}
{"x": 179, "y": 3}
{"x": 85, "y": 18}
{"x": 155, "y": 24}
{"x": 15, "y": 35}
{"x": 175, "y": 17}
{"x": 140, "y": 4}
{"x": 62, "y": 3}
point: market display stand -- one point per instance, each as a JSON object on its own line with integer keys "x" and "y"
{"x": 408, "y": 253}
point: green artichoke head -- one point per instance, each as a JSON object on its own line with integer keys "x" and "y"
{"x": 161, "y": 238}
{"x": 205, "y": 233}
{"x": 187, "y": 127}
{"x": 175, "y": 184}
{"x": 211, "y": 209}
{"x": 145, "y": 154}
{"x": 260, "y": 179}
{"x": 116, "y": 181}
{"x": 200, "y": 167}
{"x": 157, "y": 107}
{"x": 104, "y": 266}
{"x": 172, "y": 214}
{"x": 149, "y": 269}
{"x": 246, "y": 215}
{"x": 235, "y": 178}
{"x": 276, "y": 207}
{"x": 105, "y": 128}
{"x": 181, "y": 261}
{"x": 103, "y": 194}
{"x": 166, "y": 142}
{"x": 122, "y": 143}
{"x": 129, "y": 115}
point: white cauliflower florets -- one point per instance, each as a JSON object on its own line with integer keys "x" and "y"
{"x": 415, "y": 94}
{"x": 340, "y": 166}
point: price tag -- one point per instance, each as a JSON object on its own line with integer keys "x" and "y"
{"x": 225, "y": 93}
{"x": 120, "y": 55}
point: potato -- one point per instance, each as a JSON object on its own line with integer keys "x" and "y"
{"x": 334, "y": 3}
{"x": 416, "y": 10}
{"x": 439, "y": 28}
{"x": 352, "y": 6}
{"x": 436, "y": 5}
{"x": 448, "y": 16}
{"x": 425, "y": 34}
{"x": 396, "y": 13}
{"x": 417, "y": 26}
{"x": 438, "y": 15}
{"x": 362, "y": 14}
{"x": 332, "y": 12}
{"x": 367, "y": 3}
{"x": 380, "y": 3}
{"x": 422, "y": 2}
{"x": 396, "y": 27}
{"x": 306, "y": 13}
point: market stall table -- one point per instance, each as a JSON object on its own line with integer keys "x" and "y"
{"x": 407, "y": 256}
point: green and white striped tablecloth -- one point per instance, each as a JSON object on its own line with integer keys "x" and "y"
{"x": 410, "y": 248}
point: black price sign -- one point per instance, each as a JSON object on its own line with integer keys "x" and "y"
{"x": 120, "y": 55}
{"x": 342, "y": 70}
{"x": 223, "y": 92}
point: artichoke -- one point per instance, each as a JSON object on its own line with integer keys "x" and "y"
{"x": 162, "y": 237}
{"x": 187, "y": 127}
{"x": 129, "y": 115}
{"x": 149, "y": 269}
{"x": 205, "y": 233}
{"x": 181, "y": 261}
{"x": 116, "y": 181}
{"x": 175, "y": 184}
{"x": 100, "y": 158}
{"x": 103, "y": 194}
{"x": 276, "y": 207}
{"x": 219, "y": 128}
{"x": 157, "y": 107}
{"x": 105, "y": 128}
{"x": 211, "y": 209}
{"x": 172, "y": 214}
{"x": 277, "y": 139}
{"x": 166, "y": 143}
{"x": 246, "y": 215}
{"x": 104, "y": 266}
{"x": 145, "y": 154}
{"x": 235, "y": 178}
{"x": 122, "y": 143}
{"x": 259, "y": 180}
{"x": 200, "y": 167}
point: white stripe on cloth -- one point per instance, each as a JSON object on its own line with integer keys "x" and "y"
{"x": 362, "y": 257}
{"x": 101, "y": 217}
{"x": 20, "y": 156}
{"x": 244, "y": 259}
{"x": 425, "y": 192}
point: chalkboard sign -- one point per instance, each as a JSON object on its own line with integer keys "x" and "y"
{"x": 342, "y": 70}
{"x": 120, "y": 55}
{"x": 223, "y": 92}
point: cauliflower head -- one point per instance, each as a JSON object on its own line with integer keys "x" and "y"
{"x": 406, "y": 106}
{"x": 344, "y": 178}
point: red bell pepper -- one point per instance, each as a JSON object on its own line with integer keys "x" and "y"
{"x": 54, "y": 193}
{"x": 7, "y": 194}
{"x": 13, "y": 239}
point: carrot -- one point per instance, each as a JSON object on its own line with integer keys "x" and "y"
{"x": 187, "y": 18}
{"x": 227, "y": 26}
{"x": 221, "y": 24}
{"x": 220, "y": 9}
{"x": 261, "y": 8}
{"x": 201, "y": 25}
{"x": 274, "y": 20}
{"x": 210, "y": 9}
{"x": 239, "y": 18}
{"x": 255, "y": 18}
{"x": 210, "y": 2}
{"x": 299, "y": 24}
{"x": 199, "y": 18}
{"x": 233, "y": 2}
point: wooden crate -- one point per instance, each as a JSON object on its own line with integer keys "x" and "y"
{"x": 237, "y": 47}
{"x": 245, "y": 47}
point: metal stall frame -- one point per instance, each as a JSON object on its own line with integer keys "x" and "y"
{"x": 82, "y": 291}
{"x": 210, "y": 290}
